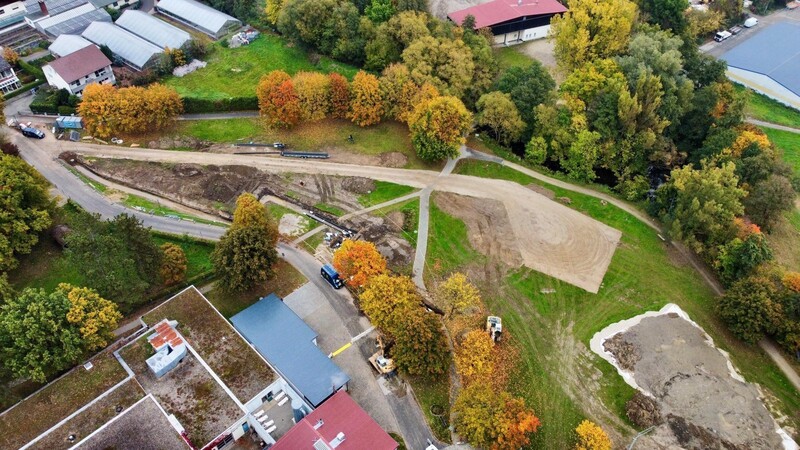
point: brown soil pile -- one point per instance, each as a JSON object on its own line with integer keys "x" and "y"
{"x": 383, "y": 233}
{"x": 623, "y": 350}
{"x": 705, "y": 407}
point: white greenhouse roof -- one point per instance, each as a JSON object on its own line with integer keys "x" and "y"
{"x": 68, "y": 43}
{"x": 152, "y": 29}
{"x": 73, "y": 21}
{"x": 202, "y": 15}
{"x": 124, "y": 44}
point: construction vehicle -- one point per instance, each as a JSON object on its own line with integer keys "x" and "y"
{"x": 381, "y": 363}
{"x": 494, "y": 326}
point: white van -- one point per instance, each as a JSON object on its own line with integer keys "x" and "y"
{"x": 722, "y": 35}
{"x": 750, "y": 22}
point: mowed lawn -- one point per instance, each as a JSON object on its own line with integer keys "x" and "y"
{"x": 789, "y": 145}
{"x": 325, "y": 135}
{"x": 764, "y": 108}
{"x": 642, "y": 276}
{"x": 234, "y": 72}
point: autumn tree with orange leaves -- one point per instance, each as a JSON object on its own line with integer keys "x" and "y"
{"x": 357, "y": 262}
{"x": 492, "y": 420}
{"x": 591, "y": 437}
{"x": 278, "y": 102}
{"x": 340, "y": 96}
{"x": 366, "y": 105}
{"x": 314, "y": 93}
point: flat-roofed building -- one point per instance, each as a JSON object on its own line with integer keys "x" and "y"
{"x": 66, "y": 44}
{"x": 199, "y": 16}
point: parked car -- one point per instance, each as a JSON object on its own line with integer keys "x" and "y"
{"x": 32, "y": 132}
{"x": 722, "y": 35}
{"x": 331, "y": 276}
{"x": 750, "y": 22}
{"x": 279, "y": 145}
{"x": 734, "y": 30}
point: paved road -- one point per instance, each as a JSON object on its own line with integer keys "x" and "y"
{"x": 774, "y": 126}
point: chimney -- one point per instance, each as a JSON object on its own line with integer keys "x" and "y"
{"x": 43, "y": 8}
{"x": 337, "y": 440}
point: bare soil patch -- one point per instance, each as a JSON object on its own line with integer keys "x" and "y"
{"x": 542, "y": 190}
{"x": 384, "y": 233}
{"x": 292, "y": 225}
{"x": 704, "y": 406}
{"x": 488, "y": 226}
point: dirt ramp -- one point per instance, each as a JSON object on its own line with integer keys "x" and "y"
{"x": 704, "y": 403}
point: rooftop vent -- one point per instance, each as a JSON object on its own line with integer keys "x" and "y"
{"x": 337, "y": 440}
{"x": 319, "y": 423}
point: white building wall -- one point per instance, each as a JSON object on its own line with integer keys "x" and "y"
{"x": 518, "y": 37}
{"x": 122, "y": 3}
{"x": 764, "y": 85}
{"x": 54, "y": 79}
{"x": 103, "y": 76}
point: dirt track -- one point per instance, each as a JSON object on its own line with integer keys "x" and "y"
{"x": 551, "y": 238}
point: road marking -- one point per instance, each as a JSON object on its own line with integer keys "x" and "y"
{"x": 362, "y": 334}
{"x": 341, "y": 349}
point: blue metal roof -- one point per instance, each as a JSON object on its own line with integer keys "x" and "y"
{"x": 763, "y": 53}
{"x": 287, "y": 343}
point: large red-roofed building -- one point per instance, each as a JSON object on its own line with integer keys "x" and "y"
{"x": 339, "y": 424}
{"x": 512, "y": 21}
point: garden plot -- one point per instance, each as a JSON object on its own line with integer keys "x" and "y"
{"x": 698, "y": 399}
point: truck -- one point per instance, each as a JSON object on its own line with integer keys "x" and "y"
{"x": 494, "y": 326}
{"x": 330, "y": 275}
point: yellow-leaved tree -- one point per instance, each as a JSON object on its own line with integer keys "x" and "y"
{"x": 107, "y": 110}
{"x": 386, "y": 297}
{"x": 366, "y": 104}
{"x": 591, "y": 437}
{"x": 474, "y": 357}
{"x": 592, "y": 30}
{"x": 438, "y": 127}
{"x": 95, "y": 316}
{"x": 493, "y": 420}
{"x": 357, "y": 262}
{"x": 457, "y": 294}
{"x": 314, "y": 93}
{"x": 173, "y": 264}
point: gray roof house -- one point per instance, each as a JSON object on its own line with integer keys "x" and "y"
{"x": 290, "y": 347}
{"x": 133, "y": 50}
{"x": 153, "y": 29}
{"x": 199, "y": 16}
{"x": 68, "y": 43}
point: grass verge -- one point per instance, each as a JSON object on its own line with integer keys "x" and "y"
{"x": 644, "y": 274}
{"x": 383, "y": 192}
{"x": 157, "y": 209}
{"x": 761, "y": 107}
{"x": 330, "y": 209}
{"x": 57, "y": 400}
{"x": 198, "y": 253}
{"x": 235, "y": 72}
{"x": 789, "y": 145}
{"x": 511, "y": 57}
{"x": 448, "y": 244}
{"x": 311, "y": 244}
{"x": 433, "y": 393}
{"x": 283, "y": 283}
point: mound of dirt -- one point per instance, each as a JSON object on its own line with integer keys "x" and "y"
{"x": 393, "y": 159}
{"x": 643, "y": 411}
{"x": 623, "y": 350}
{"x": 358, "y": 185}
{"x": 706, "y": 405}
{"x": 181, "y": 142}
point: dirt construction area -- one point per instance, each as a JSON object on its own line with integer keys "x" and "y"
{"x": 692, "y": 394}
{"x": 551, "y": 238}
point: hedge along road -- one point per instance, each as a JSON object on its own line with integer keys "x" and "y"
{"x": 553, "y": 239}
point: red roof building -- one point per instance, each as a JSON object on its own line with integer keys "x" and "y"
{"x": 339, "y": 424}
{"x": 512, "y": 21}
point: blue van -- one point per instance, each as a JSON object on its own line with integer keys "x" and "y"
{"x": 331, "y": 276}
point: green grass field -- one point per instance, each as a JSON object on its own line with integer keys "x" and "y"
{"x": 325, "y": 135}
{"x": 330, "y": 209}
{"x": 157, "y": 209}
{"x": 642, "y": 276}
{"x": 383, "y": 192}
{"x": 235, "y": 72}
{"x": 198, "y": 253}
{"x": 285, "y": 281}
{"x": 511, "y": 57}
{"x": 448, "y": 244}
{"x": 764, "y": 108}
{"x": 789, "y": 145}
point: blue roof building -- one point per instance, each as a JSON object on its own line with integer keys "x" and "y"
{"x": 289, "y": 345}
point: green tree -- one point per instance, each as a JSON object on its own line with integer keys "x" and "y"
{"x": 173, "y": 264}
{"x": 750, "y": 309}
{"x": 380, "y": 10}
{"x": 331, "y": 26}
{"x": 420, "y": 344}
{"x": 668, "y": 14}
{"x": 591, "y": 30}
{"x": 245, "y": 254}
{"x": 528, "y": 87}
{"x": 706, "y": 202}
{"x": 769, "y": 199}
{"x": 411, "y": 5}
{"x": 25, "y": 206}
{"x": 497, "y": 112}
{"x": 445, "y": 63}
{"x": 536, "y": 151}
{"x": 140, "y": 244}
{"x": 739, "y": 257}
{"x": 582, "y": 156}
{"x": 273, "y": 10}
{"x": 36, "y": 337}
{"x": 438, "y": 128}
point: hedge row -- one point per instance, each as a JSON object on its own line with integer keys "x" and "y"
{"x": 193, "y": 105}
{"x": 24, "y": 89}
